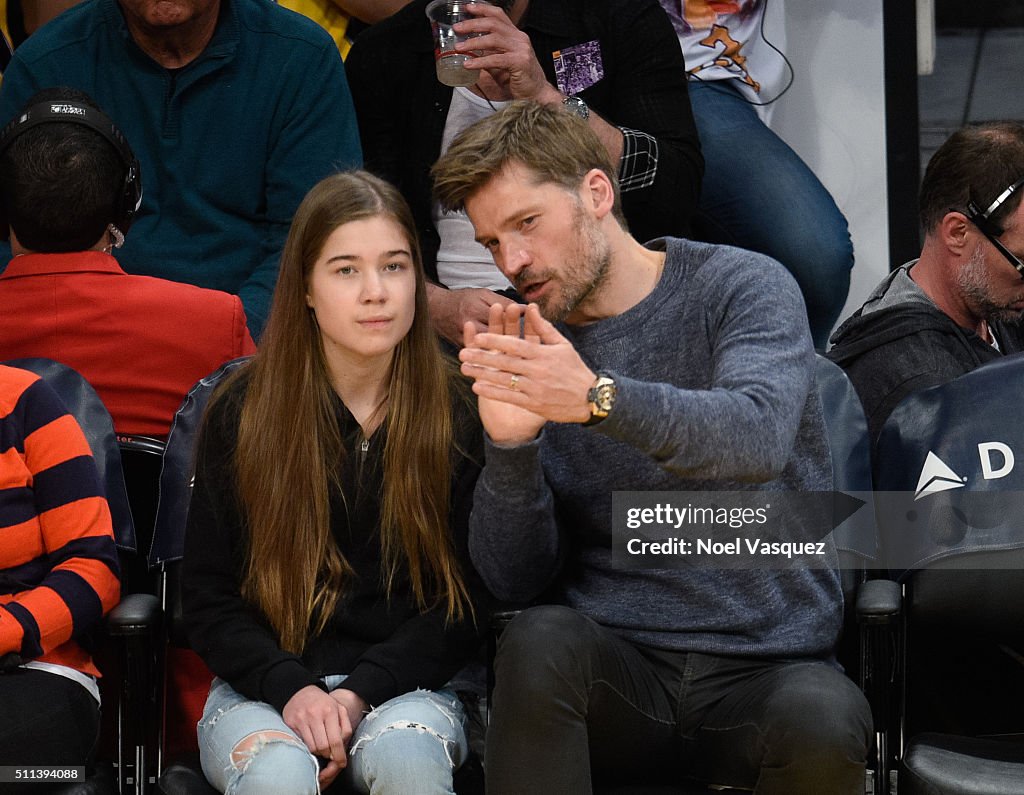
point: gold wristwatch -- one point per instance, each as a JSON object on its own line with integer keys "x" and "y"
{"x": 601, "y": 397}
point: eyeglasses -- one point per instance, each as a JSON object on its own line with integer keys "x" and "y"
{"x": 990, "y": 230}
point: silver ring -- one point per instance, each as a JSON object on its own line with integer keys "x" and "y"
{"x": 514, "y": 382}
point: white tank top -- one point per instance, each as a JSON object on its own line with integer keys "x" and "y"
{"x": 461, "y": 261}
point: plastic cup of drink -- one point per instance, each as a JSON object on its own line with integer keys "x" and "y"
{"x": 442, "y": 15}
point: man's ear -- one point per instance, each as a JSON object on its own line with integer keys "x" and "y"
{"x": 952, "y": 231}
{"x": 598, "y": 191}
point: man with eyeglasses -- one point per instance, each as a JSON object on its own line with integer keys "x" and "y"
{"x": 959, "y": 304}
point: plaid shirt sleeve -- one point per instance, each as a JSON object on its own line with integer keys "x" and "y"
{"x": 639, "y": 164}
{"x": 644, "y": 93}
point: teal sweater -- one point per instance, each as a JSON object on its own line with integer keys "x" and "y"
{"x": 228, "y": 145}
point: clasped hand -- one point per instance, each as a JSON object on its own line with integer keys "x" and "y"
{"x": 325, "y": 722}
{"x": 525, "y": 373}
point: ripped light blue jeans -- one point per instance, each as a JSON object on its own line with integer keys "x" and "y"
{"x": 412, "y": 743}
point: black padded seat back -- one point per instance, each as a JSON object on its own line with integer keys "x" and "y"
{"x": 940, "y": 764}
{"x": 987, "y": 600}
{"x": 856, "y": 538}
{"x": 176, "y": 477}
{"x": 949, "y": 487}
{"x": 88, "y": 410}
{"x": 141, "y": 458}
{"x": 948, "y": 480}
{"x": 178, "y": 467}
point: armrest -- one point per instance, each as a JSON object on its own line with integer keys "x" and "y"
{"x": 135, "y": 614}
{"x": 879, "y": 602}
{"x": 879, "y": 610}
{"x": 499, "y": 619}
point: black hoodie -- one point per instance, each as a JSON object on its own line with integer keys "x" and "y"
{"x": 910, "y": 346}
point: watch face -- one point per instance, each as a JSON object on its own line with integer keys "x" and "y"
{"x": 605, "y": 397}
{"x": 577, "y": 106}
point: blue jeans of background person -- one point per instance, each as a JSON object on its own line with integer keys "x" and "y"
{"x": 412, "y": 743}
{"x": 574, "y": 703}
{"x": 758, "y": 194}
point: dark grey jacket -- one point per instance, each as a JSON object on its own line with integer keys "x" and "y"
{"x": 907, "y": 347}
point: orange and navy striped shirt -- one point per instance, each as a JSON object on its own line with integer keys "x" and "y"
{"x": 58, "y": 562}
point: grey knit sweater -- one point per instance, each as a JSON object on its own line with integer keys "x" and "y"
{"x": 715, "y": 392}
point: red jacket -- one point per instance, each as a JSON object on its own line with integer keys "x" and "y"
{"x": 141, "y": 342}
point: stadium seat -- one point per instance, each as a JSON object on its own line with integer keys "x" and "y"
{"x": 949, "y": 508}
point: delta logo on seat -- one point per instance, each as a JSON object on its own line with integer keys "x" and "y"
{"x": 936, "y": 475}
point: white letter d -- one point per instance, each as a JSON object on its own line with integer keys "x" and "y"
{"x": 985, "y": 450}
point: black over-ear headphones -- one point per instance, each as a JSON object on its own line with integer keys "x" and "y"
{"x": 130, "y": 198}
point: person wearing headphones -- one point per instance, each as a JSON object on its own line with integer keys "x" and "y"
{"x": 72, "y": 187}
{"x": 235, "y": 109}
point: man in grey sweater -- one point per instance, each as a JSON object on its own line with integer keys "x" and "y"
{"x": 678, "y": 367}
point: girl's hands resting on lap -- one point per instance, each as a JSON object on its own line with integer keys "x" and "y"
{"x": 354, "y": 705}
{"x": 324, "y": 725}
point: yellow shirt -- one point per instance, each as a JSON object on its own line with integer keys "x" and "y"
{"x": 6, "y": 49}
{"x": 326, "y": 14}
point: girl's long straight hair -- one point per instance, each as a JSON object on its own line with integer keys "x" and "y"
{"x": 290, "y": 450}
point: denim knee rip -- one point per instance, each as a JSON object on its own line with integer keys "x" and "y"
{"x": 258, "y": 740}
{"x": 206, "y": 722}
{"x": 404, "y": 724}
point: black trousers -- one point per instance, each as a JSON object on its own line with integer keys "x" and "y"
{"x": 47, "y": 720}
{"x": 576, "y": 706}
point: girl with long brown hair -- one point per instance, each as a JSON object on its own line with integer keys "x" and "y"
{"x": 326, "y": 575}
